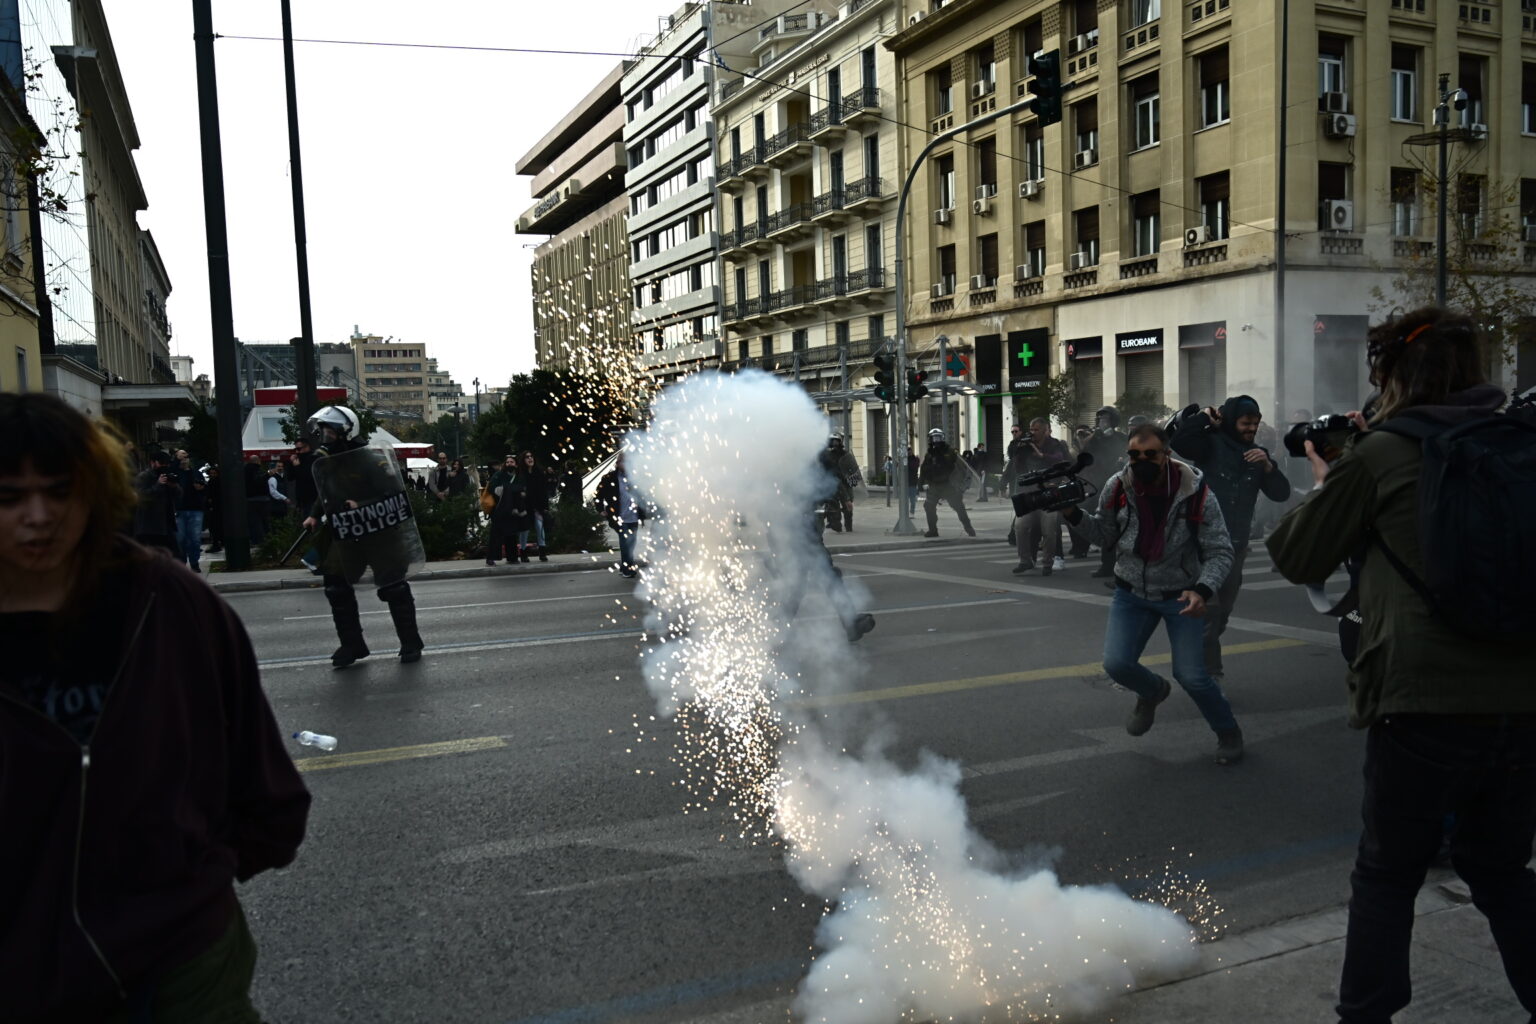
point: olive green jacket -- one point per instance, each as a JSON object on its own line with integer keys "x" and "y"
{"x": 1408, "y": 662}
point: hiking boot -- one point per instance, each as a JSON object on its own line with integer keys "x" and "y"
{"x": 1146, "y": 710}
{"x": 349, "y": 652}
{"x": 931, "y": 533}
{"x": 861, "y": 625}
{"x": 1022, "y": 568}
{"x": 543, "y": 553}
{"x": 1229, "y": 746}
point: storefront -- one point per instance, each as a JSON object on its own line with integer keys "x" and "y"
{"x": 1338, "y": 363}
{"x": 1203, "y": 363}
{"x": 1140, "y": 355}
{"x": 1086, "y": 357}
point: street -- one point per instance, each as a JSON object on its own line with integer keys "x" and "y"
{"x": 493, "y": 840}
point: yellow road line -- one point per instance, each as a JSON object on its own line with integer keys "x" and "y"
{"x": 362, "y": 757}
{"x": 1010, "y": 678}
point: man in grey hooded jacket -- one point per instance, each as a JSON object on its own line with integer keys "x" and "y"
{"x": 1172, "y": 552}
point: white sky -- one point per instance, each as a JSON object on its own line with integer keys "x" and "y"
{"x": 410, "y": 189}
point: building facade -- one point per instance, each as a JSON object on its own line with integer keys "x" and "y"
{"x": 808, "y": 164}
{"x": 1135, "y": 241}
{"x": 582, "y": 304}
{"x": 393, "y": 374}
{"x": 21, "y": 357}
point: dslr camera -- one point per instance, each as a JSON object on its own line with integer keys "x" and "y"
{"x": 1328, "y": 435}
{"x": 1055, "y": 488}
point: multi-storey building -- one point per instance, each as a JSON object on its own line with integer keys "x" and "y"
{"x": 808, "y": 163}
{"x": 669, "y": 141}
{"x": 155, "y": 290}
{"x": 21, "y": 362}
{"x": 582, "y": 304}
{"x": 443, "y": 392}
{"x": 1136, "y": 240}
{"x": 393, "y": 373}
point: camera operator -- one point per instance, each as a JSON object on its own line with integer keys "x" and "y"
{"x": 1030, "y": 454}
{"x": 1171, "y": 554}
{"x": 1451, "y": 717}
{"x": 1220, "y": 443}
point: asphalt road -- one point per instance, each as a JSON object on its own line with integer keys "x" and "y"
{"x": 491, "y": 842}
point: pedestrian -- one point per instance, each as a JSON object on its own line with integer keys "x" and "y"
{"x": 537, "y": 486}
{"x": 838, "y": 463}
{"x": 438, "y": 482}
{"x": 1220, "y": 443}
{"x": 982, "y": 464}
{"x": 942, "y": 472}
{"x": 1171, "y": 554}
{"x": 624, "y": 511}
{"x": 818, "y": 568}
{"x": 191, "y": 505}
{"x": 510, "y": 519}
{"x": 570, "y": 484}
{"x": 213, "y": 500}
{"x": 258, "y": 500}
{"x": 145, "y": 774}
{"x": 361, "y": 491}
{"x": 281, "y": 502}
{"x": 1450, "y": 718}
{"x": 154, "y": 517}
{"x": 1040, "y": 528}
{"x": 460, "y": 481}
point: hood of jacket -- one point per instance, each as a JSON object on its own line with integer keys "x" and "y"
{"x": 1461, "y": 406}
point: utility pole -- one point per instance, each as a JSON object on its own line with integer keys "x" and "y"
{"x": 476, "y": 417}
{"x": 304, "y": 345}
{"x": 1281, "y": 152}
{"x": 1443, "y": 115}
{"x": 226, "y": 372}
{"x": 943, "y": 390}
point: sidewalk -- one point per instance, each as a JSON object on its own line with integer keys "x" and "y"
{"x": 872, "y": 524}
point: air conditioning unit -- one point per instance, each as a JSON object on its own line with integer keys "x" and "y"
{"x": 1529, "y": 232}
{"x": 939, "y": 291}
{"x": 1334, "y": 102}
{"x": 1085, "y": 158}
{"x": 943, "y": 216}
{"x": 1082, "y": 260}
{"x": 1023, "y": 272}
{"x": 982, "y": 207}
{"x": 1339, "y": 126}
{"x": 1479, "y": 131}
{"x": 981, "y": 281}
{"x": 915, "y": 18}
{"x": 980, "y": 89}
{"x": 986, "y": 191}
{"x": 1197, "y": 236}
{"x": 1030, "y": 189}
{"x": 1338, "y": 215}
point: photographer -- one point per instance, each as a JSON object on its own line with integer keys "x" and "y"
{"x": 1451, "y": 716}
{"x": 1171, "y": 554}
{"x": 1220, "y": 443}
{"x": 1039, "y": 450}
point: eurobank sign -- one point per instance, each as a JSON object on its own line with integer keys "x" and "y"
{"x": 1139, "y": 341}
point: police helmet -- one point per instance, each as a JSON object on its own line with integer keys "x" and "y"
{"x": 1110, "y": 414}
{"x": 1136, "y": 421}
{"x": 337, "y": 418}
{"x": 935, "y": 435}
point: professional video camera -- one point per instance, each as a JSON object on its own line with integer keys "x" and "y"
{"x": 1523, "y": 406}
{"x": 1328, "y": 435}
{"x": 1057, "y": 487}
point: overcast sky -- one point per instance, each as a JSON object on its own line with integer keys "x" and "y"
{"x": 409, "y": 154}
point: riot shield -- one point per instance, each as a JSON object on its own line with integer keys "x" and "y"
{"x": 367, "y": 517}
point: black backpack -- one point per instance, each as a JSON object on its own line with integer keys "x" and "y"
{"x": 1477, "y": 523}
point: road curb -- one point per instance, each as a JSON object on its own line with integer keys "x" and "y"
{"x": 309, "y": 582}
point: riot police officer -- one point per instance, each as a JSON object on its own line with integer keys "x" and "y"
{"x": 942, "y": 473}
{"x": 839, "y": 462}
{"x": 363, "y": 501}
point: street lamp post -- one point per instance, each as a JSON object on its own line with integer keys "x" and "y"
{"x": 476, "y": 417}
{"x": 458, "y": 449}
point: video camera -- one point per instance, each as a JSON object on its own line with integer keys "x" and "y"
{"x": 1328, "y": 435}
{"x": 1057, "y": 487}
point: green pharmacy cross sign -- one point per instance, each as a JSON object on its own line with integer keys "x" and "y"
{"x": 1026, "y": 355}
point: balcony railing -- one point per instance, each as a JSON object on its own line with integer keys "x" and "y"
{"x": 860, "y": 102}
{"x": 863, "y": 190}
{"x": 744, "y": 235}
{"x": 787, "y": 140}
{"x": 834, "y": 287}
{"x": 826, "y": 119}
{"x": 788, "y": 217}
{"x": 867, "y": 279}
{"x": 829, "y": 202}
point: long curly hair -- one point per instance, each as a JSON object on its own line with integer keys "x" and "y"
{"x": 1423, "y": 357}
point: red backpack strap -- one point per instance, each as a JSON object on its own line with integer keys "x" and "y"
{"x": 1117, "y": 498}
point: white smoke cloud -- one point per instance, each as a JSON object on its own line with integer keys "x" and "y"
{"x": 931, "y": 921}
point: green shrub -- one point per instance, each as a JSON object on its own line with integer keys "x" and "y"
{"x": 450, "y": 528}
{"x": 572, "y": 528}
{"x": 281, "y": 533}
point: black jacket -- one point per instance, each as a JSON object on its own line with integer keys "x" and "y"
{"x": 1236, "y": 482}
{"x": 939, "y": 466}
{"x": 182, "y": 787}
{"x": 155, "y": 514}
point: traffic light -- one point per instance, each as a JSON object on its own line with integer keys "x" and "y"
{"x": 915, "y": 387}
{"x": 885, "y": 376}
{"x": 1045, "y": 66}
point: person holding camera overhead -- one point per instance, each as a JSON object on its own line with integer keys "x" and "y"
{"x": 1172, "y": 552}
{"x": 1041, "y": 527}
{"x": 1220, "y": 442}
{"x": 1442, "y": 674}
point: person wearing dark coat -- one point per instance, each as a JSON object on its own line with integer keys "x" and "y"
{"x": 258, "y": 501}
{"x": 1220, "y": 443}
{"x": 510, "y": 517}
{"x": 541, "y": 490}
{"x": 942, "y": 473}
{"x": 154, "y": 518}
{"x": 460, "y": 481}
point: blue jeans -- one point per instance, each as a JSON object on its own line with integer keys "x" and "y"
{"x": 912, "y": 500}
{"x": 189, "y": 534}
{"x": 1132, "y": 621}
{"x": 626, "y": 534}
{"x": 1419, "y": 768}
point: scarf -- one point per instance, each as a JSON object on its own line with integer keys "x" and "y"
{"x": 1152, "y": 505}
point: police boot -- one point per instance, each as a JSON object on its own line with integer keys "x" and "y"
{"x": 402, "y": 609}
{"x": 848, "y": 520}
{"x": 349, "y": 627}
{"x": 965, "y": 522}
{"x": 933, "y": 522}
{"x": 861, "y": 624}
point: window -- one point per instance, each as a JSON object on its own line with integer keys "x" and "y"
{"x": 1472, "y": 73}
{"x": 800, "y": 340}
{"x": 767, "y": 344}
{"x": 1146, "y": 223}
{"x": 1034, "y": 152}
{"x": 1332, "y": 74}
{"x": 947, "y": 268}
{"x": 1031, "y": 41}
{"x": 1528, "y": 207}
{"x": 877, "y": 327}
{"x": 1034, "y": 247}
{"x": 872, "y": 248}
{"x": 1405, "y": 202}
{"x": 21, "y": 369}
{"x": 1333, "y": 183}
{"x": 742, "y": 350}
{"x": 1215, "y": 88}
{"x": 986, "y": 257}
{"x": 1528, "y": 98}
{"x": 986, "y": 67}
{"x": 872, "y": 156}
{"x": 1143, "y": 11}
{"x": 986, "y": 166}
{"x": 1085, "y": 120}
{"x": 1085, "y": 16}
{"x": 1086, "y": 227}
{"x": 1470, "y": 191}
{"x": 1146, "y": 118}
{"x": 945, "y": 169}
{"x": 1405, "y": 83}
{"x": 943, "y": 91}
{"x": 1214, "y": 194}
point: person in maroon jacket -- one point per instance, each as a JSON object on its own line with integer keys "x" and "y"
{"x": 141, "y": 775}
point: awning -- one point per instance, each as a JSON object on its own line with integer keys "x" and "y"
{"x": 148, "y": 401}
